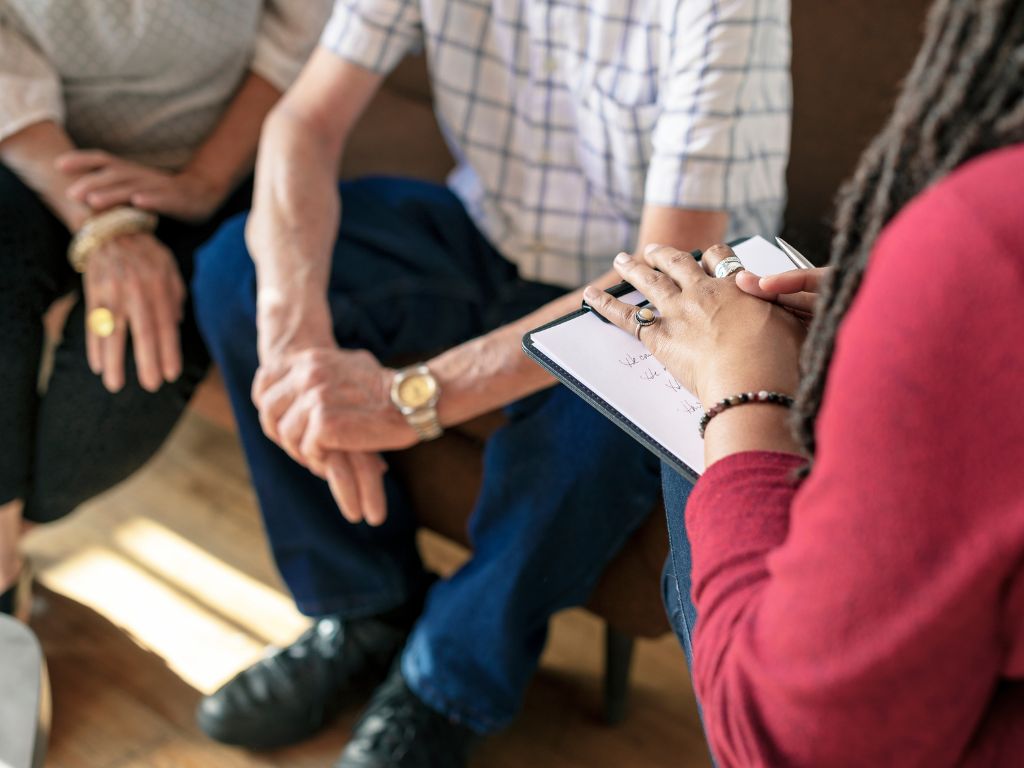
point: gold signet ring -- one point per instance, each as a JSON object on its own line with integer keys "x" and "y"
{"x": 101, "y": 322}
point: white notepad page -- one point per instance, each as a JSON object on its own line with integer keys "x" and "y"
{"x": 617, "y": 367}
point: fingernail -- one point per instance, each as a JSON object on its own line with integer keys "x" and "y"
{"x": 590, "y": 293}
{"x": 623, "y": 258}
{"x": 651, "y": 248}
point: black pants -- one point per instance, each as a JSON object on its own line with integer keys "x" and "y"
{"x": 75, "y": 440}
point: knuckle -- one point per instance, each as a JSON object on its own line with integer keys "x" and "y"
{"x": 313, "y": 379}
{"x": 654, "y": 278}
{"x": 320, "y": 396}
{"x": 719, "y": 251}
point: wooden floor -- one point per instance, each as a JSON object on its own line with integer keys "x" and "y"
{"x": 163, "y": 589}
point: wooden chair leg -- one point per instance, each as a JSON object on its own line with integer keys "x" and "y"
{"x": 618, "y": 660}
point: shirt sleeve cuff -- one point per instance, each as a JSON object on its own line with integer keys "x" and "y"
{"x": 10, "y": 127}
{"x": 374, "y": 37}
{"x": 687, "y": 182}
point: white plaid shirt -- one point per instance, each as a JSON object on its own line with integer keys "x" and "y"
{"x": 566, "y": 117}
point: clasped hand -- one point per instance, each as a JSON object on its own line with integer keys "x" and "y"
{"x": 331, "y": 411}
{"x": 105, "y": 181}
{"x": 717, "y": 338}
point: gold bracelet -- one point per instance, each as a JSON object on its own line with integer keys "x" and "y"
{"x": 104, "y": 227}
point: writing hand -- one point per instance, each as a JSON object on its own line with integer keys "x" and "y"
{"x": 796, "y": 290}
{"x": 714, "y": 338}
{"x": 137, "y": 279}
{"x": 107, "y": 181}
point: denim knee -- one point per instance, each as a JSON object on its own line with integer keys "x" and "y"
{"x": 224, "y": 286}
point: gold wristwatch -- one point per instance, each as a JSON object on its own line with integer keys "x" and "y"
{"x": 415, "y": 393}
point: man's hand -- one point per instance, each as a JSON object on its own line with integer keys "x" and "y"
{"x": 106, "y": 181}
{"x": 137, "y": 279}
{"x": 356, "y": 483}
{"x": 331, "y": 411}
{"x": 329, "y": 399}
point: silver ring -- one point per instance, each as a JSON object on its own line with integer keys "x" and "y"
{"x": 643, "y": 317}
{"x": 728, "y": 266}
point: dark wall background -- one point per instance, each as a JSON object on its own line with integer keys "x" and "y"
{"x": 849, "y": 57}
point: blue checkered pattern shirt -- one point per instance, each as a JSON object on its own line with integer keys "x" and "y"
{"x": 566, "y": 117}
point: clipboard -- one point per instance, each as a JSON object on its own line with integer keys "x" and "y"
{"x": 599, "y": 402}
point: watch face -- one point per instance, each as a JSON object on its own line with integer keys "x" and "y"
{"x": 417, "y": 390}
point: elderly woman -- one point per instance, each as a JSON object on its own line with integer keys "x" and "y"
{"x": 127, "y": 132}
{"x": 872, "y": 612}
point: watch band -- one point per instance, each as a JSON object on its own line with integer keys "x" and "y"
{"x": 425, "y": 423}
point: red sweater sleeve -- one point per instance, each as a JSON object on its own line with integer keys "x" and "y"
{"x": 874, "y": 615}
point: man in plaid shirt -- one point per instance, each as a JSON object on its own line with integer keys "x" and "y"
{"x": 581, "y": 128}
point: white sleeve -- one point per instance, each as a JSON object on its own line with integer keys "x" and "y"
{"x": 722, "y": 140}
{"x": 30, "y": 89}
{"x": 374, "y": 34}
{"x": 287, "y": 35}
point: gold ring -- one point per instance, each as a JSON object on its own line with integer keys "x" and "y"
{"x": 100, "y": 321}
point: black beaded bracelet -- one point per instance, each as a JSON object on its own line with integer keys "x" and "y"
{"x": 773, "y": 398}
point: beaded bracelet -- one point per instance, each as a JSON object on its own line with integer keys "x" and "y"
{"x": 104, "y": 227}
{"x": 764, "y": 396}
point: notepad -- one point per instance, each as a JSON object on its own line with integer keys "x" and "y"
{"x": 616, "y": 374}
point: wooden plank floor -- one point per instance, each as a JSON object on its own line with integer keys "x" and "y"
{"x": 163, "y": 589}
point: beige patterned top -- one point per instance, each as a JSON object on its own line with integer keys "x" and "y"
{"x": 145, "y": 79}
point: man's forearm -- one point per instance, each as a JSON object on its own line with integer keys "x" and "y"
{"x": 293, "y": 225}
{"x": 492, "y": 371}
{"x": 296, "y": 208}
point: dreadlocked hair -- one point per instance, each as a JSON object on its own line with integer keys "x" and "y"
{"x": 964, "y": 96}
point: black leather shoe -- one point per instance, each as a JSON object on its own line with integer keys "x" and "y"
{"x": 290, "y": 695}
{"x": 397, "y": 730}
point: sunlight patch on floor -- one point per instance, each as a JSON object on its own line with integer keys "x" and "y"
{"x": 264, "y": 612}
{"x": 203, "y": 649}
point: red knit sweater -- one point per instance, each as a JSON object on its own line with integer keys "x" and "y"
{"x": 875, "y": 616}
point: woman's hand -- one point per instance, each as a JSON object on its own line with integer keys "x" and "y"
{"x": 715, "y": 339}
{"x": 137, "y": 279}
{"x": 796, "y": 290}
{"x": 107, "y": 181}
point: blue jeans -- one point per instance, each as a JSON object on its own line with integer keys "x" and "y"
{"x": 562, "y": 489}
{"x": 677, "y": 579}
{"x": 676, "y": 583}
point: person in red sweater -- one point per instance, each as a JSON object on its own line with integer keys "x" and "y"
{"x": 859, "y": 579}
